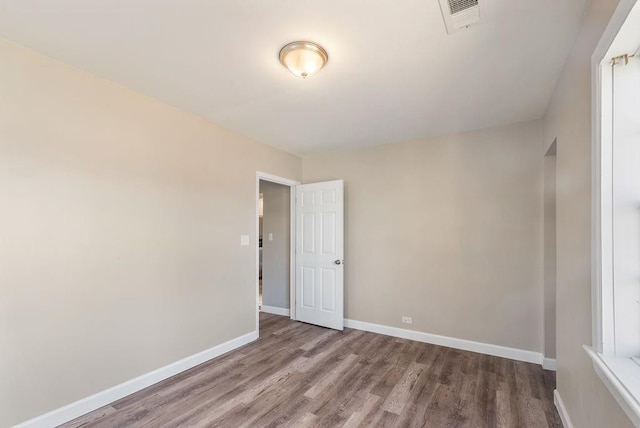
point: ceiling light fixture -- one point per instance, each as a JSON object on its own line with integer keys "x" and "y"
{"x": 303, "y": 59}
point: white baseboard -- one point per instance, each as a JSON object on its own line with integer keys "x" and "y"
{"x": 275, "y": 311}
{"x": 451, "y": 342}
{"x": 562, "y": 411}
{"x": 95, "y": 401}
{"x": 549, "y": 364}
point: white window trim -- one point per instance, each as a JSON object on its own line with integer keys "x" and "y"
{"x": 620, "y": 375}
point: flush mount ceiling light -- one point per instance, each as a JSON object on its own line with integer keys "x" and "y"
{"x": 303, "y": 59}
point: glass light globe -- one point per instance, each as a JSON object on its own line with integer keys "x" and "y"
{"x": 303, "y": 59}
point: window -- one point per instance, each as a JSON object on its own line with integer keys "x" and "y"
{"x": 616, "y": 153}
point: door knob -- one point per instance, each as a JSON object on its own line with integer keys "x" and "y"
{"x": 339, "y": 262}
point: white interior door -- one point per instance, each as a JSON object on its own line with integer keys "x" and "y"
{"x": 320, "y": 254}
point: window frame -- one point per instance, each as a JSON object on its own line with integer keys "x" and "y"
{"x": 621, "y": 376}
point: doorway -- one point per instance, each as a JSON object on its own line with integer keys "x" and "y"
{"x": 316, "y": 250}
{"x": 274, "y": 242}
{"x": 550, "y": 257}
{"x": 275, "y": 235}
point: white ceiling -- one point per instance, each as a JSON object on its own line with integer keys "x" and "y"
{"x": 393, "y": 72}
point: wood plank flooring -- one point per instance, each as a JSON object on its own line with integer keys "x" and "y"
{"x": 299, "y": 375}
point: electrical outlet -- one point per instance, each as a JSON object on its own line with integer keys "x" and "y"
{"x": 244, "y": 240}
{"x": 271, "y": 237}
{"x": 407, "y": 320}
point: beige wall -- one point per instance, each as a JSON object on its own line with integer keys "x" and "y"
{"x": 120, "y": 224}
{"x": 569, "y": 120}
{"x": 550, "y": 253}
{"x": 447, "y": 231}
{"x": 275, "y": 253}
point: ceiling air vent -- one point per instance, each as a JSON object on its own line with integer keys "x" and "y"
{"x": 459, "y": 14}
{"x": 456, "y": 6}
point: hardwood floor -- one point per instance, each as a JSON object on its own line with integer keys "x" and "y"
{"x": 300, "y": 375}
